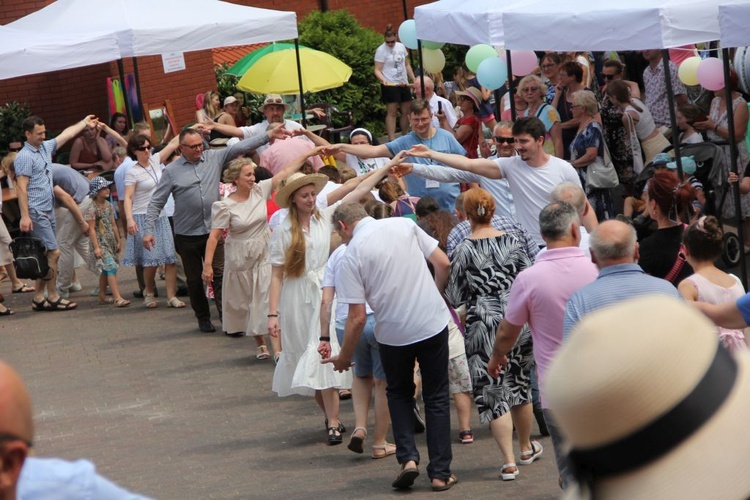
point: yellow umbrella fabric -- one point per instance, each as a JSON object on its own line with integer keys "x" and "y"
{"x": 276, "y": 73}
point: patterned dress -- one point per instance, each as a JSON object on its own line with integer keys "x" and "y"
{"x": 105, "y": 234}
{"x": 482, "y": 272}
{"x": 617, "y": 142}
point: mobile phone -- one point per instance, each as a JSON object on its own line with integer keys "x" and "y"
{"x": 440, "y": 106}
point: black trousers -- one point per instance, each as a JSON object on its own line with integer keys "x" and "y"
{"x": 191, "y": 250}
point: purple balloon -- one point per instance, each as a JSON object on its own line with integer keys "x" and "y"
{"x": 711, "y": 74}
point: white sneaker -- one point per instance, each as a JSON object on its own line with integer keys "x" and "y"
{"x": 75, "y": 287}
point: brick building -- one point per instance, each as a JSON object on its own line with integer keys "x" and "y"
{"x": 62, "y": 97}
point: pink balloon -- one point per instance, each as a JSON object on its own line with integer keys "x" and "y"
{"x": 711, "y": 74}
{"x": 524, "y": 62}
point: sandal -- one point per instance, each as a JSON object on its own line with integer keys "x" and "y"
{"x": 356, "y": 442}
{"x": 148, "y": 301}
{"x": 509, "y": 476}
{"x": 61, "y": 304}
{"x": 527, "y": 457}
{"x": 121, "y": 302}
{"x": 387, "y": 450}
{"x": 340, "y": 428}
{"x": 262, "y": 352}
{"x": 448, "y": 484}
{"x": 405, "y": 478}
{"x": 176, "y": 303}
{"x": 6, "y": 312}
{"x": 42, "y": 305}
{"x": 106, "y": 301}
{"x": 466, "y": 437}
{"x": 345, "y": 394}
{"x": 334, "y": 436}
{"x": 24, "y": 288}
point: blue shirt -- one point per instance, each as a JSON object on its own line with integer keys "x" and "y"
{"x": 55, "y": 479}
{"x": 71, "y": 181}
{"x": 614, "y": 284}
{"x": 36, "y": 165}
{"x": 445, "y": 193}
{"x": 743, "y": 304}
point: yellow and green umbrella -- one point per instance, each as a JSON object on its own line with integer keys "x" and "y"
{"x": 276, "y": 72}
{"x": 240, "y": 67}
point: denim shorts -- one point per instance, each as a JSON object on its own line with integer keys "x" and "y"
{"x": 367, "y": 353}
{"x": 44, "y": 227}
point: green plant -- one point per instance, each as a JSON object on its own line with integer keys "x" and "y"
{"x": 225, "y": 84}
{"x": 12, "y": 114}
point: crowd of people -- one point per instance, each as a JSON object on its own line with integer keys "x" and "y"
{"x": 452, "y": 261}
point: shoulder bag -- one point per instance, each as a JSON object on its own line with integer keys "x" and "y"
{"x": 601, "y": 173}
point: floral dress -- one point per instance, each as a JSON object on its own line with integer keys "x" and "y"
{"x": 105, "y": 234}
{"x": 617, "y": 142}
{"x": 482, "y": 272}
{"x": 600, "y": 199}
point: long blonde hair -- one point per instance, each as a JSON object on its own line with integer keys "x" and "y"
{"x": 295, "y": 254}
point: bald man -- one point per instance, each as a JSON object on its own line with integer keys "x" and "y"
{"x": 25, "y": 477}
{"x": 443, "y": 114}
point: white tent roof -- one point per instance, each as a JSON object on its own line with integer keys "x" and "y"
{"x": 734, "y": 20}
{"x": 23, "y": 53}
{"x": 570, "y": 25}
{"x": 152, "y": 27}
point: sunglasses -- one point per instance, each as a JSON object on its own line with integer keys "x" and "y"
{"x": 504, "y": 140}
{"x": 143, "y": 148}
{"x": 609, "y": 77}
{"x": 275, "y": 100}
{"x": 194, "y": 147}
{"x": 530, "y": 89}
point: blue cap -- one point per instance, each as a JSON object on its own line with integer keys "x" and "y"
{"x": 661, "y": 159}
{"x": 688, "y": 165}
{"x": 97, "y": 184}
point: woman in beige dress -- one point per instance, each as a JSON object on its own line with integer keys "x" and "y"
{"x": 247, "y": 272}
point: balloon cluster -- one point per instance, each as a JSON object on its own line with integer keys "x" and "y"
{"x": 433, "y": 58}
{"x": 492, "y": 70}
{"x": 708, "y": 72}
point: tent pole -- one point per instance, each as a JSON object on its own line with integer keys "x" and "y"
{"x": 138, "y": 84}
{"x": 733, "y": 156}
{"x": 672, "y": 114}
{"x": 421, "y": 66}
{"x": 513, "y": 115}
{"x": 299, "y": 80}
{"x": 121, "y": 72}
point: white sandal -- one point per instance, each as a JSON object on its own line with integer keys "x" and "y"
{"x": 509, "y": 476}
{"x": 149, "y": 301}
{"x": 176, "y": 303}
{"x": 527, "y": 457}
{"x": 262, "y": 352}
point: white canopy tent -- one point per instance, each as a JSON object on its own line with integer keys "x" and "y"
{"x": 148, "y": 27}
{"x": 734, "y": 20}
{"x": 23, "y": 53}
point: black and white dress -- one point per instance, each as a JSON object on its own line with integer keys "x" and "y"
{"x": 482, "y": 271}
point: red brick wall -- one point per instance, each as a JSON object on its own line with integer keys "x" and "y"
{"x": 63, "y": 97}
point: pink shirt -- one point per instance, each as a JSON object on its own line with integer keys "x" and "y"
{"x": 282, "y": 153}
{"x": 538, "y": 297}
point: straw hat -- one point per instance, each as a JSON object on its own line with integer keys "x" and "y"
{"x": 625, "y": 370}
{"x": 472, "y": 93}
{"x": 296, "y": 181}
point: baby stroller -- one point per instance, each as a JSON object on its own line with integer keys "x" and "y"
{"x": 712, "y": 172}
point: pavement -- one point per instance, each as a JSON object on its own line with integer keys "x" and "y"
{"x": 173, "y": 413}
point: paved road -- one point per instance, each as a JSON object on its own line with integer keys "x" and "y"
{"x": 176, "y": 414}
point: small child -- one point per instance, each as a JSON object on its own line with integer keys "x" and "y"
{"x": 105, "y": 242}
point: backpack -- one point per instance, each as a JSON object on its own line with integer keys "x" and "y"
{"x": 29, "y": 257}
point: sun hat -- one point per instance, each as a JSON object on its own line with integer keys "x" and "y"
{"x": 688, "y": 165}
{"x": 97, "y": 184}
{"x": 661, "y": 159}
{"x": 651, "y": 405}
{"x": 472, "y": 93}
{"x": 229, "y": 100}
{"x": 274, "y": 99}
{"x": 296, "y": 181}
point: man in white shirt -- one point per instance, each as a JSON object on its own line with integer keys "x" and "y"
{"x": 411, "y": 324}
{"x": 443, "y": 114}
{"x": 531, "y": 175}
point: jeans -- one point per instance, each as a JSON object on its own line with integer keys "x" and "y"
{"x": 191, "y": 250}
{"x": 398, "y": 363}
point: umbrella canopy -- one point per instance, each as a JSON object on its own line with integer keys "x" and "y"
{"x": 23, "y": 53}
{"x": 240, "y": 67}
{"x": 146, "y": 27}
{"x": 276, "y": 73}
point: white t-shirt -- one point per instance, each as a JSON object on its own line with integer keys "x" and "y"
{"x": 447, "y": 108}
{"x": 329, "y": 280}
{"x": 394, "y": 63}
{"x": 394, "y": 280}
{"x": 531, "y": 187}
{"x": 321, "y": 202}
{"x": 145, "y": 181}
{"x": 260, "y": 128}
{"x": 364, "y": 165}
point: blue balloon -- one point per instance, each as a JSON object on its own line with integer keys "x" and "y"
{"x": 492, "y": 73}
{"x": 407, "y": 33}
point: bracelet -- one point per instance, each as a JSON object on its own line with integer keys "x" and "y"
{"x": 273, "y": 315}
{"x": 325, "y": 339}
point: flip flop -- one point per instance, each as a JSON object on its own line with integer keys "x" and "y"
{"x": 448, "y": 484}
{"x": 405, "y": 478}
{"x": 356, "y": 443}
{"x": 23, "y": 289}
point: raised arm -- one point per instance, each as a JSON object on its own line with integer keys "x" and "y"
{"x": 249, "y": 145}
{"x": 294, "y": 166}
{"x": 113, "y": 134}
{"x": 170, "y": 148}
{"x": 354, "y": 189}
{"x": 75, "y": 129}
{"x": 361, "y": 150}
{"x": 230, "y": 130}
{"x": 479, "y": 166}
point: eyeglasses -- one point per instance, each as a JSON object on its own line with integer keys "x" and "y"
{"x": 609, "y": 77}
{"x": 194, "y": 147}
{"x": 530, "y": 89}
{"x": 143, "y": 148}
{"x": 504, "y": 140}
{"x": 12, "y": 437}
{"x": 548, "y": 66}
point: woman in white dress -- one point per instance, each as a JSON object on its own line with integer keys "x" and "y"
{"x": 298, "y": 255}
{"x": 247, "y": 272}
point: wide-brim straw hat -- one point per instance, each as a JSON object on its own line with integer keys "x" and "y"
{"x": 274, "y": 99}
{"x": 626, "y": 369}
{"x": 296, "y": 181}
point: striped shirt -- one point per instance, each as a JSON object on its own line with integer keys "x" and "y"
{"x": 36, "y": 164}
{"x": 614, "y": 284}
{"x": 462, "y": 230}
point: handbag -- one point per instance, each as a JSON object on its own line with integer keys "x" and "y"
{"x": 29, "y": 257}
{"x": 601, "y": 173}
{"x": 635, "y": 146}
